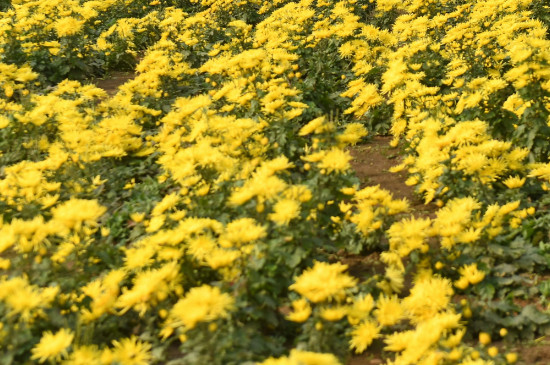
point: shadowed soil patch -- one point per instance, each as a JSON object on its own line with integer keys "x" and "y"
{"x": 361, "y": 266}
{"x": 535, "y": 353}
{"x": 111, "y": 83}
{"x": 365, "y": 360}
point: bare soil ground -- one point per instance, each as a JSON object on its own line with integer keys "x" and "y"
{"x": 534, "y": 353}
{"x": 372, "y": 161}
{"x": 111, "y": 83}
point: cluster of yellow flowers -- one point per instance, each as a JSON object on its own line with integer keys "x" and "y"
{"x": 437, "y": 333}
{"x": 201, "y": 204}
{"x": 459, "y": 82}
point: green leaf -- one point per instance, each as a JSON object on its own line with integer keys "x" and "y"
{"x": 535, "y": 315}
{"x": 296, "y": 257}
{"x": 505, "y": 269}
{"x": 487, "y": 291}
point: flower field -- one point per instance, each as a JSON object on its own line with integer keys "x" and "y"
{"x": 202, "y": 213}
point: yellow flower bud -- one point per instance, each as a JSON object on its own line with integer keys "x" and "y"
{"x": 484, "y": 338}
{"x": 462, "y": 283}
{"x": 492, "y": 351}
{"x": 512, "y": 357}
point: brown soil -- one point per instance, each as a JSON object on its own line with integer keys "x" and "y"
{"x": 365, "y": 360}
{"x": 535, "y": 353}
{"x": 372, "y": 162}
{"x": 111, "y": 83}
{"x": 360, "y": 266}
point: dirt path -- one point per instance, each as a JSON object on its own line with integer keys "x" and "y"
{"x": 111, "y": 83}
{"x": 372, "y": 162}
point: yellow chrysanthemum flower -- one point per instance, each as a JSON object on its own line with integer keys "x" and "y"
{"x": 514, "y": 182}
{"x": 301, "y": 311}
{"x": 284, "y": 211}
{"x": 200, "y": 304}
{"x": 52, "y": 347}
{"x": 389, "y": 310}
{"x": 324, "y": 282}
{"x": 363, "y": 335}
{"x": 131, "y": 351}
{"x": 471, "y": 273}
